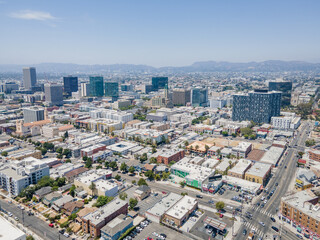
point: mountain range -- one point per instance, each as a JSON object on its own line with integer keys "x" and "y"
{"x": 205, "y": 66}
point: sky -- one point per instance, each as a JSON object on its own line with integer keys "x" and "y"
{"x": 158, "y": 32}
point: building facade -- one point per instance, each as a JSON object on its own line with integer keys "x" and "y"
{"x": 96, "y": 86}
{"x": 29, "y": 77}
{"x": 33, "y": 114}
{"x": 70, "y": 85}
{"x": 199, "y": 97}
{"x": 159, "y": 83}
{"x": 180, "y": 97}
{"x": 53, "y": 94}
{"x": 111, "y": 89}
{"x": 258, "y": 106}
{"x": 285, "y": 87}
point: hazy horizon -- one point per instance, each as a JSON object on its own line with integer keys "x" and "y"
{"x": 158, "y": 34}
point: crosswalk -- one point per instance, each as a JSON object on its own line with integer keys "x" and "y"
{"x": 261, "y": 210}
{"x": 250, "y": 227}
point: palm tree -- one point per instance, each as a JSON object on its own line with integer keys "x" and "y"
{"x": 197, "y": 147}
{"x": 92, "y": 187}
{"x": 206, "y": 147}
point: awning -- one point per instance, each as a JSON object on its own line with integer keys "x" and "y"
{"x": 302, "y": 161}
{"x": 299, "y": 228}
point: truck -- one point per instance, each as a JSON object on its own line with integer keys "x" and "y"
{"x": 250, "y": 236}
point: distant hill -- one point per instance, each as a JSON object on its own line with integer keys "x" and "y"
{"x": 207, "y": 66}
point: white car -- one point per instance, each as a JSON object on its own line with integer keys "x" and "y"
{"x": 66, "y": 234}
{"x": 262, "y": 223}
{"x": 17, "y": 219}
{"x": 265, "y": 201}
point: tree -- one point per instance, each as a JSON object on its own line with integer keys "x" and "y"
{"x": 246, "y": 131}
{"x": 142, "y": 182}
{"x": 225, "y": 133}
{"x": 106, "y": 164}
{"x": 4, "y": 154}
{"x": 29, "y": 237}
{"x": 219, "y": 205}
{"x": 134, "y": 182}
{"x": 123, "y": 167}
{"x": 92, "y": 187}
{"x": 186, "y": 143}
{"x": 59, "y": 150}
{"x": 144, "y": 157}
{"x": 197, "y": 147}
{"x": 117, "y": 177}
{"x": 43, "y": 151}
{"x": 123, "y": 196}
{"x": 310, "y": 142}
{"x": 154, "y": 150}
{"x": 153, "y": 160}
{"x": 72, "y": 217}
{"x": 113, "y": 165}
{"x": 206, "y": 147}
{"x": 252, "y": 136}
{"x": 84, "y": 158}
{"x": 149, "y": 174}
{"x": 72, "y": 190}
{"x": 67, "y": 152}
{"x": 182, "y": 184}
{"x": 132, "y": 203}
{"x": 66, "y": 134}
{"x": 102, "y": 200}
{"x": 233, "y": 134}
{"x": 300, "y": 154}
{"x": 165, "y": 175}
{"x": 88, "y": 163}
{"x": 131, "y": 169}
{"x": 157, "y": 177}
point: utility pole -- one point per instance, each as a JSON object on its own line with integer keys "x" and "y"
{"x": 22, "y": 211}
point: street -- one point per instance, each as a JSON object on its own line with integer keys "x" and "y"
{"x": 283, "y": 178}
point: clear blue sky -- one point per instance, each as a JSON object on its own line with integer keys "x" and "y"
{"x": 158, "y": 32}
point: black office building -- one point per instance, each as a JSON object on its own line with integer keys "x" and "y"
{"x": 70, "y": 85}
{"x": 285, "y": 87}
{"x": 258, "y": 106}
{"x": 159, "y": 83}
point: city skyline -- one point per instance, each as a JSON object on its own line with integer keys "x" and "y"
{"x": 158, "y": 34}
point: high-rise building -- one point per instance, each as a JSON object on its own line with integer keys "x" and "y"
{"x": 111, "y": 89}
{"x": 53, "y": 94}
{"x": 285, "y": 87}
{"x": 126, "y": 87}
{"x": 159, "y": 83}
{"x": 33, "y": 114}
{"x": 217, "y": 102}
{"x": 70, "y": 84}
{"x": 29, "y": 77}
{"x": 199, "y": 97}
{"x": 8, "y": 87}
{"x": 96, "y": 86}
{"x": 258, "y": 106}
{"x": 85, "y": 89}
{"x": 147, "y": 88}
{"x": 180, "y": 96}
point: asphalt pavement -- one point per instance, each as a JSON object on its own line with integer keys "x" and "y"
{"x": 38, "y": 226}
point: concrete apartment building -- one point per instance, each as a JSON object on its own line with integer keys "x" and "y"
{"x": 17, "y": 175}
{"x": 94, "y": 221}
{"x": 314, "y": 155}
{"x": 116, "y": 227}
{"x": 33, "y": 114}
{"x": 302, "y": 209}
{"x": 242, "y": 150}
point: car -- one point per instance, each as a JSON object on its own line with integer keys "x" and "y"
{"x": 262, "y": 205}
{"x": 276, "y": 184}
{"x": 163, "y": 235}
{"x": 9, "y": 214}
{"x": 61, "y": 231}
{"x": 221, "y": 215}
{"x": 285, "y": 166}
{"x": 209, "y": 231}
{"x": 164, "y": 192}
{"x": 272, "y": 219}
{"x": 229, "y": 207}
{"x": 156, "y": 194}
{"x": 258, "y": 204}
{"x": 66, "y": 234}
{"x": 199, "y": 196}
{"x": 16, "y": 218}
{"x": 244, "y": 232}
{"x": 275, "y": 228}
{"x": 299, "y": 236}
{"x": 268, "y": 197}
{"x": 265, "y": 201}
{"x": 211, "y": 201}
{"x": 51, "y": 225}
{"x": 262, "y": 224}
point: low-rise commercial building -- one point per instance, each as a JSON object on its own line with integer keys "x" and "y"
{"x": 240, "y": 169}
{"x": 242, "y": 150}
{"x": 180, "y": 211}
{"x": 259, "y": 173}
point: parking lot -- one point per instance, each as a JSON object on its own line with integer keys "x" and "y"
{"x": 148, "y": 231}
{"x": 201, "y": 231}
{"x": 146, "y": 203}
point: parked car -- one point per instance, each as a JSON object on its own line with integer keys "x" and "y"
{"x": 275, "y": 228}
{"x": 51, "y": 225}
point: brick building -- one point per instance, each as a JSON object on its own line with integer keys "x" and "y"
{"x": 167, "y": 156}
